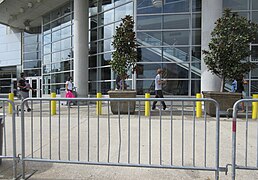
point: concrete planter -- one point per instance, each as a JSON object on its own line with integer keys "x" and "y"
{"x": 123, "y": 105}
{"x": 226, "y": 100}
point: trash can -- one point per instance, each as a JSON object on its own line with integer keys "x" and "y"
{"x": 62, "y": 95}
{"x": 1, "y": 135}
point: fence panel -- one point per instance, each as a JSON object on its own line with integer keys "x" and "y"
{"x": 8, "y": 137}
{"x": 172, "y": 138}
{"x": 245, "y": 127}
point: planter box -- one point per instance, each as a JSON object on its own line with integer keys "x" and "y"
{"x": 226, "y": 100}
{"x": 123, "y": 105}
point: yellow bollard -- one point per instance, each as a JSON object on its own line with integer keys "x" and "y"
{"x": 53, "y": 104}
{"x": 99, "y": 105}
{"x": 198, "y": 106}
{"x": 10, "y": 107}
{"x": 147, "y": 105}
{"x": 254, "y": 107}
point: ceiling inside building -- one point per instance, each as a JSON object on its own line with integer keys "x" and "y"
{"x": 26, "y": 14}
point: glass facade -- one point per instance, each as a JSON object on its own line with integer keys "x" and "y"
{"x": 57, "y": 48}
{"x": 248, "y": 9}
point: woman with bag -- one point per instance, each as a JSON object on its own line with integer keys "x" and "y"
{"x": 69, "y": 88}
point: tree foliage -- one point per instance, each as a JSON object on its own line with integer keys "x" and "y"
{"x": 124, "y": 57}
{"x": 229, "y": 47}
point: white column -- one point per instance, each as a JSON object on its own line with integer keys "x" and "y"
{"x": 211, "y": 11}
{"x": 81, "y": 48}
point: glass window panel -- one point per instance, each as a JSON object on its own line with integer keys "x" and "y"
{"x": 56, "y": 46}
{"x": 197, "y": 5}
{"x": 32, "y": 47}
{"x": 195, "y": 87}
{"x": 47, "y": 49}
{"x": 149, "y": 38}
{"x": 56, "y": 57}
{"x": 149, "y": 54}
{"x": 176, "y": 37}
{"x": 147, "y": 70}
{"x": 33, "y": 72}
{"x": 254, "y": 5}
{"x": 255, "y": 17}
{"x": 118, "y": 2}
{"x": 107, "y": 4}
{"x": 105, "y": 58}
{"x": 148, "y": 22}
{"x": 66, "y": 65}
{"x": 47, "y": 39}
{"x": 66, "y": 54}
{"x": 235, "y": 4}
{"x": 254, "y": 73}
{"x": 47, "y": 59}
{"x": 46, "y": 19}
{"x": 93, "y": 74}
{"x": 93, "y": 9}
{"x": 176, "y": 70}
{"x": 196, "y": 39}
{"x": 196, "y": 21}
{"x": 105, "y": 73}
{"x": 173, "y": 6}
{"x": 196, "y": 54}
{"x": 56, "y": 35}
{"x": 105, "y": 87}
{"x": 32, "y": 39}
{"x": 100, "y": 46}
{"x": 196, "y": 70}
{"x": 254, "y": 56}
{"x": 93, "y": 88}
{"x": 46, "y": 29}
{"x": 93, "y": 48}
{"x": 107, "y": 45}
{"x": 175, "y": 54}
{"x": 146, "y": 7}
{"x": 121, "y": 11}
{"x": 106, "y": 31}
{"x": 31, "y": 56}
{"x": 93, "y": 61}
{"x": 66, "y": 21}
{"x": 66, "y": 43}
{"x": 32, "y": 64}
{"x": 93, "y": 22}
{"x": 108, "y": 17}
{"x": 47, "y": 68}
{"x": 176, "y": 21}
{"x": 56, "y": 67}
{"x": 144, "y": 86}
{"x": 93, "y": 35}
{"x": 176, "y": 87}
{"x": 60, "y": 77}
{"x": 56, "y": 25}
{"x": 66, "y": 32}
{"x": 254, "y": 87}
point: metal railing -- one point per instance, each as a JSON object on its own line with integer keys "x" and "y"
{"x": 8, "y": 134}
{"x": 76, "y": 134}
{"x": 244, "y": 148}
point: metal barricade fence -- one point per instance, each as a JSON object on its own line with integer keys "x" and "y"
{"x": 8, "y": 135}
{"x": 245, "y": 147}
{"x": 173, "y": 138}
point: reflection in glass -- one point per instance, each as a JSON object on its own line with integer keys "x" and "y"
{"x": 146, "y": 7}
{"x": 149, "y": 38}
{"x": 196, "y": 21}
{"x": 175, "y": 54}
{"x": 149, "y": 54}
{"x": 197, "y": 5}
{"x": 235, "y": 4}
{"x": 121, "y": 11}
{"x": 32, "y": 64}
{"x": 254, "y": 56}
{"x": 176, "y": 37}
{"x": 176, "y": 21}
{"x": 172, "y": 6}
{"x": 195, "y": 87}
{"x": 196, "y": 37}
{"x": 148, "y": 22}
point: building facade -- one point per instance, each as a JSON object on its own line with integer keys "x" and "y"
{"x": 74, "y": 39}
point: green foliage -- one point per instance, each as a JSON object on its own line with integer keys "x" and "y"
{"x": 229, "y": 47}
{"x": 124, "y": 57}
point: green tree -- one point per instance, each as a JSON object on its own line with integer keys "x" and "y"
{"x": 124, "y": 57}
{"x": 229, "y": 47}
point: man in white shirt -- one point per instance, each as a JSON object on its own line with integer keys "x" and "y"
{"x": 158, "y": 89}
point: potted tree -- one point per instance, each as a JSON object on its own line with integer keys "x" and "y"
{"x": 123, "y": 60}
{"x": 228, "y": 54}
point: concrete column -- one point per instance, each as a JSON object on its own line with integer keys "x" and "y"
{"x": 81, "y": 48}
{"x": 211, "y": 11}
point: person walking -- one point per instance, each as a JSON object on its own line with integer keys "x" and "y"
{"x": 24, "y": 89}
{"x": 158, "y": 88}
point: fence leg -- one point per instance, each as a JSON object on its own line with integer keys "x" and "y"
{"x": 254, "y": 107}
{"x": 198, "y": 106}
{"x": 99, "y": 105}
{"x": 147, "y": 105}
{"x": 10, "y": 107}
{"x": 53, "y": 104}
